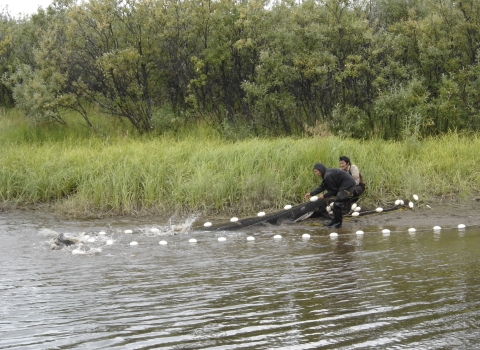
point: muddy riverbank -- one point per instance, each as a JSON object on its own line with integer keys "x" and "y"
{"x": 435, "y": 213}
{"x": 425, "y": 214}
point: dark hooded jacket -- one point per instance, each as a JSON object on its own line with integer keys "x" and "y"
{"x": 334, "y": 181}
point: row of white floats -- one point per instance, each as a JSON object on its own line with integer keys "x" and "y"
{"x": 306, "y": 236}
{"x": 355, "y": 208}
{"x": 385, "y": 232}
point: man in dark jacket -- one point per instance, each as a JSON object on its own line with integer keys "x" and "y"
{"x": 337, "y": 183}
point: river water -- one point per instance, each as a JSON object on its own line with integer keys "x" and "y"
{"x": 370, "y": 291}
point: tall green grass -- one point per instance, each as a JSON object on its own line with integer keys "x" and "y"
{"x": 203, "y": 172}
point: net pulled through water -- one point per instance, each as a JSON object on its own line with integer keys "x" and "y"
{"x": 297, "y": 213}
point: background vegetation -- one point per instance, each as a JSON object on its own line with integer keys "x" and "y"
{"x": 387, "y": 68}
{"x": 198, "y": 170}
{"x": 132, "y": 106}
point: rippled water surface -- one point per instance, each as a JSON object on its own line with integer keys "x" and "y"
{"x": 370, "y": 291}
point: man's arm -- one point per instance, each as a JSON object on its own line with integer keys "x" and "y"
{"x": 355, "y": 173}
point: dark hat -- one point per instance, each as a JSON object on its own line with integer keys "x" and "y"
{"x": 321, "y": 167}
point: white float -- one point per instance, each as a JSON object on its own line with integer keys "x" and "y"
{"x": 402, "y": 202}
{"x": 234, "y": 219}
{"x": 288, "y": 206}
{"x": 437, "y": 228}
{"x": 277, "y": 236}
{"x": 305, "y": 236}
{"x": 411, "y": 205}
{"x": 313, "y": 198}
{"x": 357, "y": 209}
{"x": 109, "y": 242}
{"x": 163, "y": 243}
{"x": 359, "y": 232}
{"x": 415, "y": 197}
{"x": 354, "y": 205}
{"x": 262, "y": 213}
{"x": 411, "y": 230}
{"x": 397, "y": 202}
{"x": 128, "y": 231}
{"x": 207, "y": 224}
{"x": 222, "y": 239}
{"x": 379, "y": 210}
{"x": 102, "y": 233}
{"x": 461, "y": 226}
{"x": 133, "y": 243}
{"x": 355, "y": 213}
{"x": 333, "y": 234}
{"x": 154, "y": 230}
{"x": 192, "y": 240}
{"x": 91, "y": 240}
{"x": 250, "y": 238}
{"x": 386, "y": 232}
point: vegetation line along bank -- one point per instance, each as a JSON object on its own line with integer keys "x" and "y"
{"x": 248, "y": 176}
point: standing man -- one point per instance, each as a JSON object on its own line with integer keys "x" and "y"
{"x": 352, "y": 169}
{"x": 337, "y": 183}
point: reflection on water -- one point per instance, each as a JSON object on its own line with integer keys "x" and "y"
{"x": 370, "y": 291}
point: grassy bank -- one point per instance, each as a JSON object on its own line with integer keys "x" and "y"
{"x": 200, "y": 171}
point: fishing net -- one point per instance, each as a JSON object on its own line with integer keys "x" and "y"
{"x": 297, "y": 213}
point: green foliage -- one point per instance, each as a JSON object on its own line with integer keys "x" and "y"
{"x": 35, "y": 96}
{"x": 249, "y": 67}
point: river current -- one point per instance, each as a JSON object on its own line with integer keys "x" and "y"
{"x": 374, "y": 290}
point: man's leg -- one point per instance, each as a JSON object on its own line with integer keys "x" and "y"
{"x": 358, "y": 190}
{"x": 340, "y": 200}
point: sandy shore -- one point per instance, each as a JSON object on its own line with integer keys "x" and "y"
{"x": 446, "y": 214}
{"x": 424, "y": 215}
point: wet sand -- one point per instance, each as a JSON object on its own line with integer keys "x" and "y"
{"x": 448, "y": 214}
{"x": 434, "y": 213}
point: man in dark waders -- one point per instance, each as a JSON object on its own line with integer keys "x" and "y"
{"x": 337, "y": 183}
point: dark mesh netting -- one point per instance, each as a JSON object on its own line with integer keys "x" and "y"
{"x": 296, "y": 213}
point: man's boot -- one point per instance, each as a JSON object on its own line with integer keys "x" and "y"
{"x": 329, "y": 223}
{"x": 336, "y": 221}
{"x": 337, "y": 218}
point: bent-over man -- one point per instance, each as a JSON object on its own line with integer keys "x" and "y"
{"x": 337, "y": 183}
